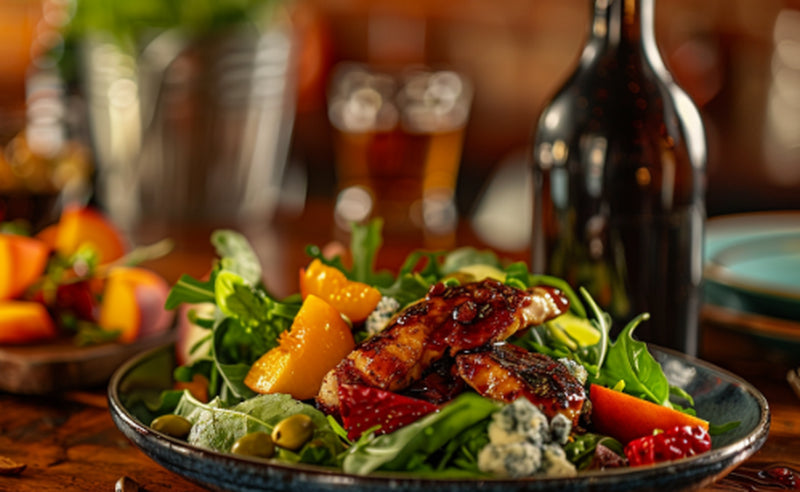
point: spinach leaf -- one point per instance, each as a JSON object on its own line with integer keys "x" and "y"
{"x": 408, "y": 448}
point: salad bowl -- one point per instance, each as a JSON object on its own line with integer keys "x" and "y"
{"x": 719, "y": 396}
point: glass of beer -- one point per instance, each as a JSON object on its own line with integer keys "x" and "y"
{"x": 398, "y": 138}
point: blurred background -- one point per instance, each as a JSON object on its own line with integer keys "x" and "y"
{"x": 738, "y": 59}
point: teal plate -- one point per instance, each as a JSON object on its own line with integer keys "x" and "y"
{"x": 759, "y": 275}
{"x": 752, "y": 267}
{"x": 719, "y": 397}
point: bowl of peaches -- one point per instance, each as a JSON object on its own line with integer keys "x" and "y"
{"x": 74, "y": 304}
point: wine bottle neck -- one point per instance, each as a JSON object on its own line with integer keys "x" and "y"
{"x": 623, "y": 21}
{"x": 628, "y": 25}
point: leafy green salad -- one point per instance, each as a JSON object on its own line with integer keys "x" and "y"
{"x": 206, "y": 400}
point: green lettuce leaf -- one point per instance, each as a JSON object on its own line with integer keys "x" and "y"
{"x": 216, "y": 426}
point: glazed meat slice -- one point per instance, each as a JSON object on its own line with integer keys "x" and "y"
{"x": 506, "y": 372}
{"x": 446, "y": 321}
{"x": 440, "y": 384}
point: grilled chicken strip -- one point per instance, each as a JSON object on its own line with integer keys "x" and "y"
{"x": 446, "y": 321}
{"x": 506, "y": 372}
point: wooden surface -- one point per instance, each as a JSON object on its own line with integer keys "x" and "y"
{"x": 68, "y": 442}
{"x": 43, "y": 369}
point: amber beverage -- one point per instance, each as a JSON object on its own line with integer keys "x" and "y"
{"x": 619, "y": 167}
{"x": 398, "y": 141}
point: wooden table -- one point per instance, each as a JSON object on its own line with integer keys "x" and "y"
{"x": 68, "y": 441}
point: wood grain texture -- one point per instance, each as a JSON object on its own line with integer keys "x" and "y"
{"x": 43, "y": 369}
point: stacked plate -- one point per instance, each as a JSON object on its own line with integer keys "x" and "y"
{"x": 752, "y": 273}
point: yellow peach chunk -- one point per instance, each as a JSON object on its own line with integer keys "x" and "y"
{"x": 317, "y": 340}
{"x": 133, "y": 303}
{"x": 22, "y": 261}
{"x": 25, "y": 322}
{"x": 83, "y": 226}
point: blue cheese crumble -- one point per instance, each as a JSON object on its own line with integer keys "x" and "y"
{"x": 578, "y": 371}
{"x": 523, "y": 443}
{"x": 380, "y": 316}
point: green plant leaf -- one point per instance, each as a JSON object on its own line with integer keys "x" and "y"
{"x": 629, "y": 361}
{"x": 216, "y": 426}
{"x": 236, "y": 255}
{"x": 190, "y": 291}
{"x": 407, "y": 448}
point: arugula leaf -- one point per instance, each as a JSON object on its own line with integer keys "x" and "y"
{"x": 602, "y": 321}
{"x": 190, "y": 291}
{"x": 365, "y": 241}
{"x": 422, "y": 269}
{"x": 550, "y": 340}
{"x": 630, "y": 362}
{"x": 233, "y": 352}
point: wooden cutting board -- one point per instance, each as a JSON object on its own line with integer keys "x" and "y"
{"x": 43, "y": 369}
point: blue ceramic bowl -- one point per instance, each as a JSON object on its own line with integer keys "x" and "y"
{"x": 719, "y": 397}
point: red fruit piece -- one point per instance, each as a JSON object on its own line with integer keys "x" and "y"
{"x": 365, "y": 407}
{"x": 678, "y": 442}
{"x": 78, "y": 299}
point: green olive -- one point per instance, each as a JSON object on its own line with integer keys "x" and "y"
{"x": 172, "y": 425}
{"x": 257, "y": 444}
{"x": 292, "y": 432}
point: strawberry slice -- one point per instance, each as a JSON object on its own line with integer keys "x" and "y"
{"x": 364, "y": 407}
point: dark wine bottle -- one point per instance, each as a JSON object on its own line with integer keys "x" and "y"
{"x": 619, "y": 167}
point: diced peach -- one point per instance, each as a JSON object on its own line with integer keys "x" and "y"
{"x": 25, "y": 322}
{"x": 133, "y": 303}
{"x": 317, "y": 340}
{"x": 22, "y": 261}
{"x": 84, "y": 226}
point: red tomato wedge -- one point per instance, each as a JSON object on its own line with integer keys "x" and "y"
{"x": 625, "y": 417}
